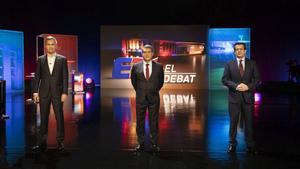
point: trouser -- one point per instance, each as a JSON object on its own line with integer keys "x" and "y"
{"x": 57, "y": 105}
{"x": 246, "y": 111}
{"x": 153, "y": 112}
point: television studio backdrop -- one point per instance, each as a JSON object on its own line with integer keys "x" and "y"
{"x": 100, "y": 111}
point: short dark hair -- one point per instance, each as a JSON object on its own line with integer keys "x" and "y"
{"x": 148, "y": 47}
{"x": 240, "y": 43}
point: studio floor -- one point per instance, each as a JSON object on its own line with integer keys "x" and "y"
{"x": 194, "y": 125}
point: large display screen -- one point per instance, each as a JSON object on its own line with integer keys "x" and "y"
{"x": 220, "y": 51}
{"x": 181, "y": 50}
{"x": 12, "y": 59}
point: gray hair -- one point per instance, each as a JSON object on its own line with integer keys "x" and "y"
{"x": 51, "y": 38}
{"x": 148, "y": 47}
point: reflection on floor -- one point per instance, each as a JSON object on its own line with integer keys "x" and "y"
{"x": 181, "y": 118}
{"x": 194, "y": 124}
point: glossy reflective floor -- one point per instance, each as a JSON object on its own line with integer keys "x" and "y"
{"x": 194, "y": 124}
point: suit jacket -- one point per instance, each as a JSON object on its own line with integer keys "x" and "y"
{"x": 147, "y": 88}
{"x": 57, "y": 82}
{"x": 232, "y": 78}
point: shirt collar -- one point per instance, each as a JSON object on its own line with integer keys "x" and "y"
{"x": 150, "y": 63}
{"x": 238, "y": 59}
{"x": 53, "y": 56}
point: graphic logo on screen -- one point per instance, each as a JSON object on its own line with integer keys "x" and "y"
{"x": 169, "y": 53}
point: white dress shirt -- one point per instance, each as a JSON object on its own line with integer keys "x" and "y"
{"x": 51, "y": 61}
{"x": 150, "y": 67}
{"x": 243, "y": 62}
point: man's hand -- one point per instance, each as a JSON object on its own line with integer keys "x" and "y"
{"x": 64, "y": 97}
{"x": 36, "y": 97}
{"x": 242, "y": 87}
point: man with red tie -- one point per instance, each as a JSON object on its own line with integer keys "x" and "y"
{"x": 241, "y": 76}
{"x": 147, "y": 78}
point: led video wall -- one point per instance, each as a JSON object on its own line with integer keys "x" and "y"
{"x": 12, "y": 59}
{"x": 220, "y": 51}
{"x": 181, "y": 50}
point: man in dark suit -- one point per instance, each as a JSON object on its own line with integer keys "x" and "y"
{"x": 241, "y": 76}
{"x": 51, "y": 86}
{"x": 147, "y": 78}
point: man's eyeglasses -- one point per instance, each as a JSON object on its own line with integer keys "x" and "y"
{"x": 239, "y": 49}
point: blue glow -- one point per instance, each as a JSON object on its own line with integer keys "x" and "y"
{"x": 12, "y": 59}
{"x": 218, "y": 124}
{"x": 122, "y": 109}
{"x": 220, "y": 51}
{"x": 119, "y": 66}
{"x": 15, "y": 132}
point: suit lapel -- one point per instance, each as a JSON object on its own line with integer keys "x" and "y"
{"x": 55, "y": 64}
{"x": 46, "y": 64}
{"x": 247, "y": 68}
{"x": 141, "y": 69}
{"x": 153, "y": 69}
{"x": 236, "y": 68}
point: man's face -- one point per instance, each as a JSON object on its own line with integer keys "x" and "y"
{"x": 239, "y": 51}
{"x": 50, "y": 46}
{"x": 147, "y": 54}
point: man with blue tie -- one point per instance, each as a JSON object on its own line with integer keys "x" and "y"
{"x": 147, "y": 78}
{"x": 241, "y": 76}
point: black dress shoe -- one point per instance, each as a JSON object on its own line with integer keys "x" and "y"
{"x": 140, "y": 148}
{"x": 252, "y": 151}
{"x": 39, "y": 148}
{"x": 231, "y": 149}
{"x": 60, "y": 147}
{"x": 155, "y": 148}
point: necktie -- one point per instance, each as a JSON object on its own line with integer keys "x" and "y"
{"x": 147, "y": 71}
{"x": 241, "y": 68}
